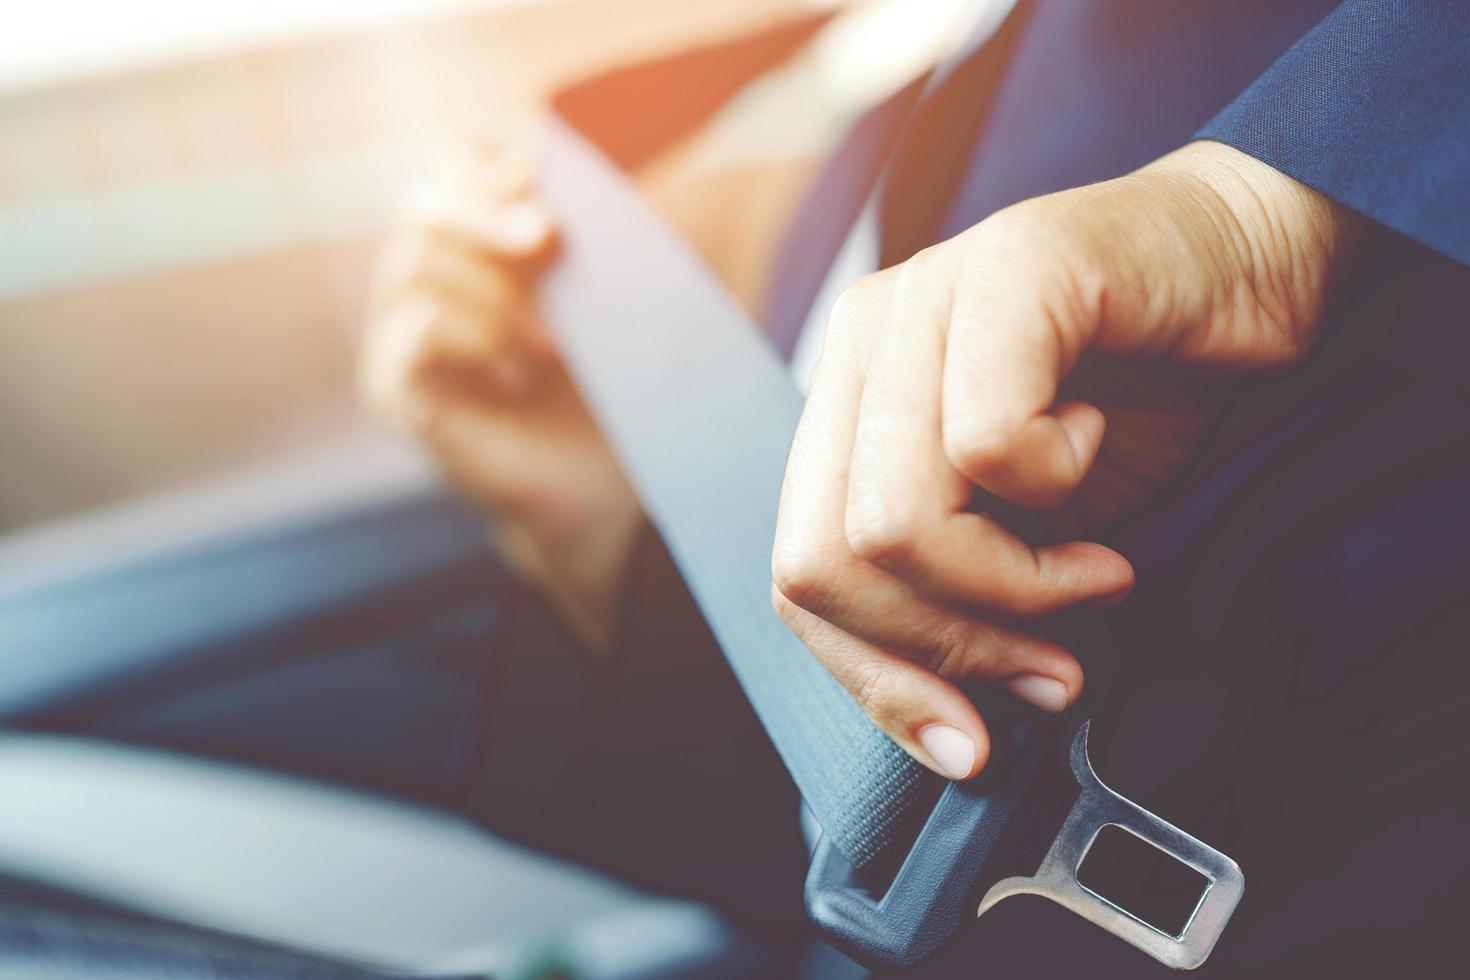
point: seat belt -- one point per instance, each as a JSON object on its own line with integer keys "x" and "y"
{"x": 700, "y": 412}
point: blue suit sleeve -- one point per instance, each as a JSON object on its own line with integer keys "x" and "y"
{"x": 1372, "y": 108}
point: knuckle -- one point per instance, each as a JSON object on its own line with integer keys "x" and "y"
{"x": 1020, "y": 603}
{"x": 974, "y": 447}
{"x": 849, "y": 307}
{"x": 884, "y": 537}
{"x": 951, "y": 650}
{"x": 800, "y": 576}
{"x": 843, "y": 313}
{"x": 918, "y": 273}
{"x": 784, "y": 608}
{"x": 1033, "y": 222}
{"x": 873, "y": 691}
{"x": 394, "y": 349}
{"x": 997, "y": 238}
{"x": 1019, "y": 591}
{"x": 1024, "y": 603}
{"x": 1052, "y": 244}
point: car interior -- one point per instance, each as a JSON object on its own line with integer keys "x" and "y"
{"x": 191, "y": 501}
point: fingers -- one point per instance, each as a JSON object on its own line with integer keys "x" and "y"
{"x": 926, "y": 715}
{"x": 906, "y": 503}
{"x": 438, "y": 263}
{"x": 520, "y": 229}
{"x": 489, "y": 452}
{"x": 425, "y": 339}
{"x": 486, "y": 194}
{"x": 395, "y": 350}
{"x": 452, "y": 295}
{"x": 821, "y": 578}
{"x": 941, "y": 377}
{"x": 1006, "y": 354}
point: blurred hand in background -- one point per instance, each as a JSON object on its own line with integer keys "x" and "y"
{"x": 456, "y": 354}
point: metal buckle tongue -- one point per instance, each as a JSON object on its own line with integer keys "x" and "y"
{"x": 1098, "y": 807}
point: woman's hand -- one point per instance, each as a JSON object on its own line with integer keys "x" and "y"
{"x": 455, "y": 354}
{"x": 946, "y": 374}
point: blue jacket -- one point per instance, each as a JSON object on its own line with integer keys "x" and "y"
{"x": 1370, "y": 105}
{"x": 1372, "y": 108}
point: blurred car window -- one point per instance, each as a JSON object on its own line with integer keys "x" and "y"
{"x": 191, "y": 197}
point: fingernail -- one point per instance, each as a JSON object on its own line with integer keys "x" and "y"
{"x": 1046, "y": 693}
{"x": 951, "y": 749}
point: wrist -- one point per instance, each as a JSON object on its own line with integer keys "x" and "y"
{"x": 1293, "y": 245}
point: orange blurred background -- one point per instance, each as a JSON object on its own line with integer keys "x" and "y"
{"x": 191, "y": 196}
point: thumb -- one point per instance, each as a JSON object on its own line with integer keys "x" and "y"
{"x": 1152, "y": 264}
{"x": 1017, "y": 326}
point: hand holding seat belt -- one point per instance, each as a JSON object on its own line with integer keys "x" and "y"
{"x": 700, "y": 411}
